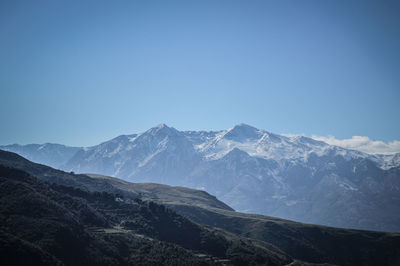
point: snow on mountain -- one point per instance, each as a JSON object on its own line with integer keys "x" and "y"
{"x": 263, "y": 144}
{"x": 257, "y": 171}
{"x": 386, "y": 161}
{"x": 161, "y": 151}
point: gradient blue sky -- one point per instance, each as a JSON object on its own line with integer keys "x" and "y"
{"x": 82, "y": 72}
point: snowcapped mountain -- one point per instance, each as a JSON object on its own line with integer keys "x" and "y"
{"x": 267, "y": 145}
{"x": 161, "y": 152}
{"x": 256, "y": 171}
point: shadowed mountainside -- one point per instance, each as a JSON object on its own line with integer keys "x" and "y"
{"x": 305, "y": 242}
{"x": 312, "y": 243}
{"x": 56, "y": 224}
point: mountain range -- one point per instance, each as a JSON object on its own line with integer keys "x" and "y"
{"x": 252, "y": 170}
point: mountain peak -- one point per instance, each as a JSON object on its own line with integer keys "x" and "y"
{"x": 162, "y": 125}
{"x": 162, "y": 129}
{"x": 243, "y": 132}
{"x": 244, "y": 126}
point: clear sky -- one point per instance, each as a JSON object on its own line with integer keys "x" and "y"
{"x": 82, "y": 72}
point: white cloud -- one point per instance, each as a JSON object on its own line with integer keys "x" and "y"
{"x": 363, "y": 143}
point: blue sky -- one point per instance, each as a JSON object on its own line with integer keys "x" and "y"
{"x": 82, "y": 72}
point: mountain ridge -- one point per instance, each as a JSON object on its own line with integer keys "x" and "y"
{"x": 60, "y": 225}
{"x": 304, "y": 242}
{"x": 256, "y": 171}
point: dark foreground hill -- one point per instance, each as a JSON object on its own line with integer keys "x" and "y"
{"x": 312, "y": 243}
{"x": 150, "y": 191}
{"x": 50, "y": 224}
{"x": 299, "y": 241}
